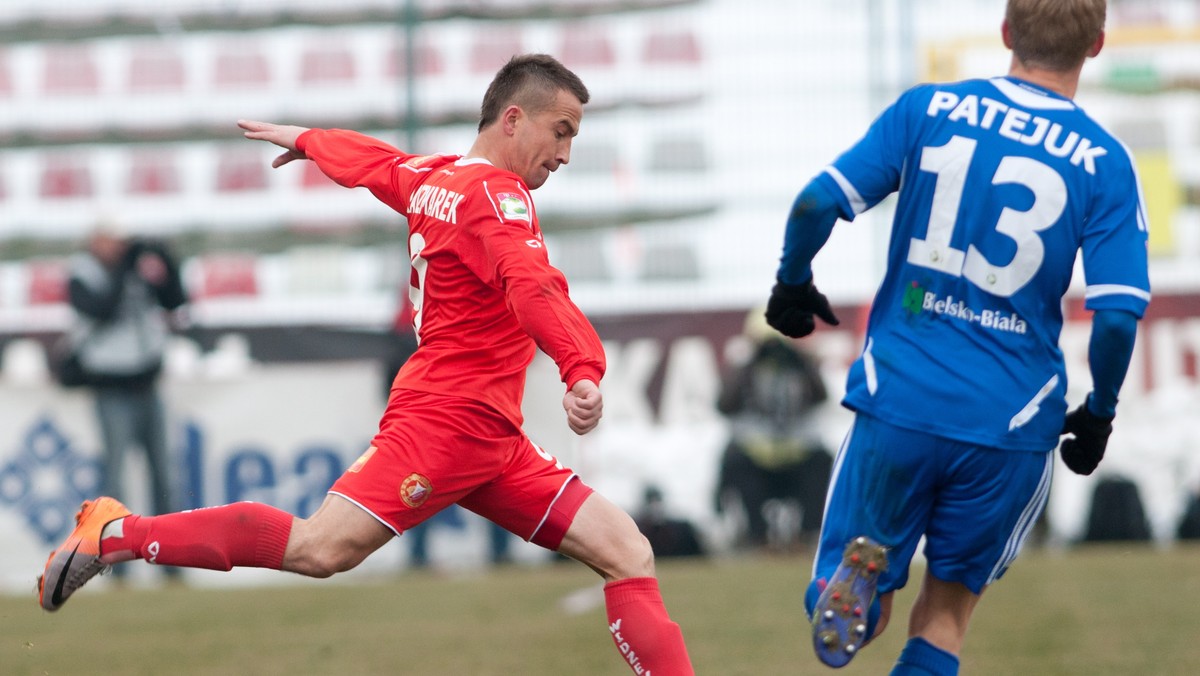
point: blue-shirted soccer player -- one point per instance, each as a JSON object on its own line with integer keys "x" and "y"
{"x": 960, "y": 390}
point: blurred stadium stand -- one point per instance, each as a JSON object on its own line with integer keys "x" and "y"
{"x": 704, "y": 121}
{"x": 123, "y": 110}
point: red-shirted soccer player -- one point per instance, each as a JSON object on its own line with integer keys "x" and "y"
{"x": 484, "y": 296}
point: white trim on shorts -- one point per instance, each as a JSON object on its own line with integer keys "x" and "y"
{"x": 359, "y": 505}
{"x": 833, "y": 476}
{"x": 1025, "y": 524}
{"x": 550, "y": 507}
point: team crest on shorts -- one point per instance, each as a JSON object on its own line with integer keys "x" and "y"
{"x": 415, "y": 490}
{"x": 362, "y": 460}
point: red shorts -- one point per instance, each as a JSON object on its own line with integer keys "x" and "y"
{"x": 435, "y": 450}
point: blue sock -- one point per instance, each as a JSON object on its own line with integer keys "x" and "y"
{"x": 810, "y": 598}
{"x": 922, "y": 658}
{"x": 813, "y": 593}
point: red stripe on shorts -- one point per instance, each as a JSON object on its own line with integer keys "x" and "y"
{"x": 552, "y": 530}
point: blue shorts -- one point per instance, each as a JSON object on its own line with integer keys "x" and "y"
{"x": 974, "y": 505}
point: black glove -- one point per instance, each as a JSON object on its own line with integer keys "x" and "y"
{"x": 1084, "y": 451}
{"x": 792, "y": 306}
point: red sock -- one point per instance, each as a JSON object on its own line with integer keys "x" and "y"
{"x": 218, "y": 538}
{"x": 649, "y": 641}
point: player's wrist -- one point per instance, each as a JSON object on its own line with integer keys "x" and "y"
{"x": 1099, "y": 411}
{"x": 303, "y": 138}
{"x": 795, "y": 277}
{"x": 582, "y": 373}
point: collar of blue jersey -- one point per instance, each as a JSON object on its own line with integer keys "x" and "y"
{"x": 1029, "y": 95}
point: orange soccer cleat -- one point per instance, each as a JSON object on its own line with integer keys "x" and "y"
{"x": 77, "y": 560}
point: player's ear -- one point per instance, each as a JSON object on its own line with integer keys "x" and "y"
{"x": 1097, "y": 46}
{"x": 511, "y": 117}
{"x": 1004, "y": 34}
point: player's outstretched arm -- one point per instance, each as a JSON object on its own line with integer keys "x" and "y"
{"x": 281, "y": 135}
{"x": 584, "y": 406}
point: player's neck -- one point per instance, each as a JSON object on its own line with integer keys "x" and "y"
{"x": 484, "y": 148}
{"x": 1065, "y": 83}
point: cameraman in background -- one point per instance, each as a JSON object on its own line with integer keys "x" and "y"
{"x": 775, "y": 450}
{"x": 122, "y": 290}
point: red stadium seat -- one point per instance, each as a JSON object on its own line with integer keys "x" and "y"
{"x": 585, "y": 46}
{"x": 228, "y": 275}
{"x": 153, "y": 173}
{"x": 47, "y": 282}
{"x": 69, "y": 69}
{"x": 156, "y": 68}
{"x": 428, "y": 61}
{"x": 65, "y": 177}
{"x": 671, "y": 47}
{"x": 240, "y": 171}
{"x": 313, "y": 178}
{"x": 241, "y": 65}
{"x": 493, "y": 48}
{"x": 327, "y": 65}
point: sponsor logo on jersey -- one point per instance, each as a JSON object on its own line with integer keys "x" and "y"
{"x": 513, "y": 206}
{"x": 917, "y": 300}
{"x": 362, "y": 460}
{"x": 913, "y": 298}
{"x": 415, "y": 490}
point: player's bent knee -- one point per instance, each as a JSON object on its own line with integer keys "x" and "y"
{"x": 326, "y": 561}
{"x": 313, "y": 554}
{"x": 635, "y": 558}
{"x": 615, "y": 554}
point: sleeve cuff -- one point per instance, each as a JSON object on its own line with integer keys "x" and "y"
{"x": 583, "y": 372}
{"x": 302, "y": 139}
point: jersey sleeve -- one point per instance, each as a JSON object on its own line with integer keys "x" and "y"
{"x": 1115, "y": 237}
{"x": 513, "y": 258}
{"x": 871, "y": 169}
{"x": 354, "y": 160}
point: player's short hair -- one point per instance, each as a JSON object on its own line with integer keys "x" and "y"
{"x": 1054, "y": 34}
{"x": 530, "y": 81}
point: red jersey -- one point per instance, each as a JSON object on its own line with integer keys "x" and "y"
{"x": 482, "y": 289}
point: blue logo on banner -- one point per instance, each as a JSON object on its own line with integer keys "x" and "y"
{"x": 47, "y": 480}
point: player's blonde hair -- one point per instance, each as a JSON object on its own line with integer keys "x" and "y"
{"x": 1054, "y": 34}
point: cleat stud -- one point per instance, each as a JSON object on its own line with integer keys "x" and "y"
{"x": 850, "y": 648}
{"x": 858, "y": 611}
{"x": 855, "y": 557}
{"x": 837, "y": 596}
{"x": 829, "y": 639}
{"x": 828, "y": 615}
{"x": 845, "y": 607}
{"x": 860, "y": 629}
{"x": 871, "y": 567}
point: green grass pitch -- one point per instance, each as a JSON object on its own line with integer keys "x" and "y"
{"x": 1120, "y": 609}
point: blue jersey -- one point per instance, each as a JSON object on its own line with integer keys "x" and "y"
{"x": 1000, "y": 184}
